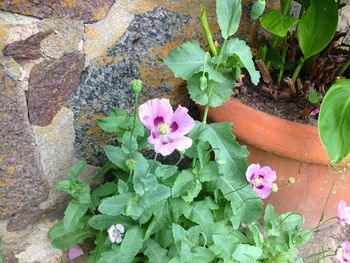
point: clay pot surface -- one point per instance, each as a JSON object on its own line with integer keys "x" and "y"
{"x": 293, "y": 150}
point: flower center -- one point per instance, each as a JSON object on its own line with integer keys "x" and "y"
{"x": 116, "y": 232}
{"x": 258, "y": 181}
{"x": 163, "y": 129}
{"x": 344, "y": 254}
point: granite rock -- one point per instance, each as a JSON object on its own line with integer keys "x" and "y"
{"x": 51, "y": 83}
{"x": 107, "y": 85}
{"x": 28, "y": 48}
{"x": 88, "y": 11}
{"x": 21, "y": 183}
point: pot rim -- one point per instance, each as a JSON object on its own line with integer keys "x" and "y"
{"x": 303, "y": 140}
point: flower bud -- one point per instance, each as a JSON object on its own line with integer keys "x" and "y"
{"x": 274, "y": 188}
{"x": 136, "y": 86}
{"x": 203, "y": 83}
{"x": 130, "y": 163}
{"x": 291, "y": 180}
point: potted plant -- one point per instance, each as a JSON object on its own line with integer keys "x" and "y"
{"x": 294, "y": 149}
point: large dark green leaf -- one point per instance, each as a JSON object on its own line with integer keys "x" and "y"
{"x": 117, "y": 156}
{"x": 334, "y": 121}
{"x": 229, "y": 14}
{"x": 317, "y": 26}
{"x": 277, "y": 23}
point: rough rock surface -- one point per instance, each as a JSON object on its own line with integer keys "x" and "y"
{"x": 87, "y": 10}
{"x": 68, "y": 37}
{"x": 149, "y": 36}
{"x": 51, "y": 83}
{"x": 28, "y": 48}
{"x": 21, "y": 182}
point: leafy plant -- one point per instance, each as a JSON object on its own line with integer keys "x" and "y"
{"x": 334, "y": 121}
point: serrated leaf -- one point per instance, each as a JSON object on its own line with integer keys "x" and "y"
{"x": 76, "y": 170}
{"x": 246, "y": 206}
{"x": 229, "y": 14}
{"x": 155, "y": 253}
{"x": 223, "y": 245}
{"x": 246, "y": 253}
{"x": 229, "y": 155}
{"x": 221, "y": 91}
{"x": 129, "y": 143}
{"x": 151, "y": 198}
{"x": 131, "y": 245}
{"x": 104, "y": 190}
{"x": 141, "y": 169}
{"x": 160, "y": 219}
{"x": 334, "y": 121}
{"x": 115, "y": 205}
{"x": 210, "y": 172}
{"x": 110, "y": 256}
{"x": 278, "y": 23}
{"x": 122, "y": 187}
{"x": 317, "y": 26}
{"x": 73, "y": 214}
{"x": 101, "y": 247}
{"x": 183, "y": 183}
{"x": 117, "y": 156}
{"x": 240, "y": 49}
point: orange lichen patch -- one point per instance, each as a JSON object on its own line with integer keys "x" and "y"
{"x": 94, "y": 132}
{"x": 68, "y": 3}
{"x": 103, "y": 60}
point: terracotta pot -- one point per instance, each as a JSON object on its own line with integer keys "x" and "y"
{"x": 293, "y": 150}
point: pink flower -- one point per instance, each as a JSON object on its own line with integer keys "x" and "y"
{"x": 343, "y": 253}
{"x": 261, "y": 178}
{"x": 115, "y": 233}
{"x": 315, "y": 111}
{"x": 75, "y": 252}
{"x": 168, "y": 128}
{"x": 343, "y": 213}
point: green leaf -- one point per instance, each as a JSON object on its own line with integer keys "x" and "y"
{"x": 334, "y": 121}
{"x": 277, "y": 23}
{"x": 186, "y": 60}
{"x": 229, "y": 14}
{"x": 127, "y": 145}
{"x": 247, "y": 254}
{"x": 131, "y": 245}
{"x": 115, "y": 205}
{"x": 183, "y": 183}
{"x": 155, "y": 253}
{"x": 76, "y": 170}
{"x": 101, "y": 247}
{"x": 160, "y": 219}
{"x": 229, "y": 155}
{"x": 151, "y": 198}
{"x": 101, "y": 222}
{"x": 103, "y": 190}
{"x": 141, "y": 169}
{"x": 221, "y": 91}
{"x": 317, "y": 26}
{"x": 104, "y": 169}
{"x": 72, "y": 238}
{"x": 257, "y": 9}
{"x": 73, "y": 214}
{"x": 117, "y": 156}
{"x": 240, "y": 49}
{"x": 110, "y": 256}
{"x": 246, "y": 206}
{"x": 223, "y": 246}
{"x": 210, "y": 172}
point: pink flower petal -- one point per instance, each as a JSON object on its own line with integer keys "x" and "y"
{"x": 268, "y": 173}
{"x": 153, "y": 110}
{"x": 264, "y": 192}
{"x": 75, "y": 252}
{"x": 341, "y": 204}
{"x": 251, "y": 170}
{"x": 180, "y": 123}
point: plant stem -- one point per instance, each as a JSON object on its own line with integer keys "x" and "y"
{"x": 344, "y": 68}
{"x": 154, "y": 160}
{"x": 284, "y": 53}
{"x": 134, "y": 121}
{"x": 297, "y": 70}
{"x": 322, "y": 223}
{"x": 274, "y": 45}
{"x": 208, "y": 35}
{"x": 211, "y": 87}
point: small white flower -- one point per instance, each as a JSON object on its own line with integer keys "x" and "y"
{"x": 115, "y": 233}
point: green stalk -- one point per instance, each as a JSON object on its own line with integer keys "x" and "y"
{"x": 344, "y": 67}
{"x": 134, "y": 121}
{"x": 284, "y": 53}
{"x": 297, "y": 70}
{"x": 208, "y": 35}
{"x": 210, "y": 86}
{"x": 274, "y": 45}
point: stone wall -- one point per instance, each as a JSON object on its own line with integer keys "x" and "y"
{"x": 64, "y": 64}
